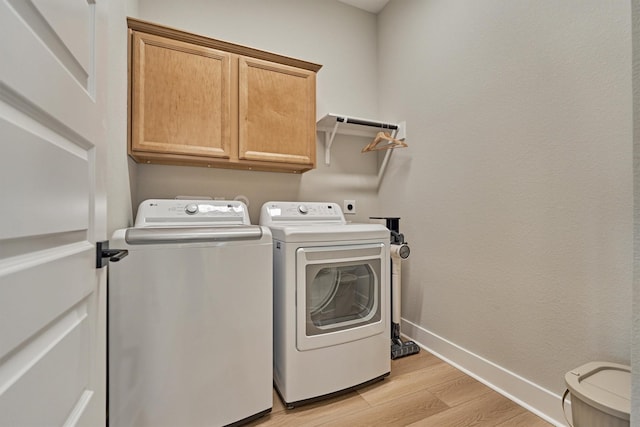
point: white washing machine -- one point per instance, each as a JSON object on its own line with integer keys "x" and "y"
{"x": 331, "y": 301}
{"x": 190, "y": 317}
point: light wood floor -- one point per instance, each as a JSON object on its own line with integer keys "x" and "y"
{"x": 422, "y": 390}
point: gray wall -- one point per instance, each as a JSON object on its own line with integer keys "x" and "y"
{"x": 516, "y": 193}
{"x": 635, "y": 342}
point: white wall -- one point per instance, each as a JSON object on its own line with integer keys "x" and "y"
{"x": 341, "y": 38}
{"x": 120, "y": 176}
{"x": 516, "y": 191}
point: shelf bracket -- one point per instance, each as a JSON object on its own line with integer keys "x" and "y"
{"x": 328, "y": 142}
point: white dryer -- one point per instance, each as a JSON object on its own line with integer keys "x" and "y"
{"x": 190, "y": 317}
{"x": 331, "y": 301}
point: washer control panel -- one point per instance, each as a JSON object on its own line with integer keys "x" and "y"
{"x": 301, "y": 212}
{"x": 201, "y": 213}
{"x": 191, "y": 208}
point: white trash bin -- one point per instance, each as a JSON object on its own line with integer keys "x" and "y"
{"x": 600, "y": 394}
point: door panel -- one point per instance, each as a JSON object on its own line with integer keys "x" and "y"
{"x": 56, "y": 373}
{"x": 72, "y": 24}
{"x": 52, "y": 163}
{"x": 61, "y": 99}
{"x": 54, "y": 197}
{"x": 181, "y": 97}
{"x": 277, "y": 112}
{"x": 20, "y": 316}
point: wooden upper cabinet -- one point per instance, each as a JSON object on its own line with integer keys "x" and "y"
{"x": 200, "y": 101}
{"x": 181, "y": 99}
{"x": 277, "y": 112}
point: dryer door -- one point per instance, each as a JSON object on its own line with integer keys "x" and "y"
{"x": 341, "y": 294}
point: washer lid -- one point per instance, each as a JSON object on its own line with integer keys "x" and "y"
{"x": 605, "y": 386}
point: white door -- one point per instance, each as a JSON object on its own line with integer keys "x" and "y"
{"x": 52, "y": 211}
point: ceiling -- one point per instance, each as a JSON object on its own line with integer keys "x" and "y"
{"x": 373, "y": 6}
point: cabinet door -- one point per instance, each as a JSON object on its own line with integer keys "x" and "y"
{"x": 277, "y": 112}
{"x": 180, "y": 98}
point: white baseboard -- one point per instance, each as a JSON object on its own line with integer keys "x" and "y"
{"x": 540, "y": 401}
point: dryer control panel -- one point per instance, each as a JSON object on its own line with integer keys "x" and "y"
{"x": 273, "y": 213}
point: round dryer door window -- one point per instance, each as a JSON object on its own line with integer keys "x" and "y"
{"x": 340, "y": 292}
{"x": 340, "y": 296}
{"x": 323, "y": 290}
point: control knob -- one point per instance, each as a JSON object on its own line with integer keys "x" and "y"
{"x": 303, "y": 209}
{"x": 191, "y": 208}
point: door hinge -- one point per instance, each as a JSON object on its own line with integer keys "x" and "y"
{"x": 103, "y": 252}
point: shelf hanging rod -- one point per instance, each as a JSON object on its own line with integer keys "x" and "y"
{"x": 366, "y": 123}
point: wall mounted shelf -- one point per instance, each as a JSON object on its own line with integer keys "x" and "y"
{"x": 332, "y": 124}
